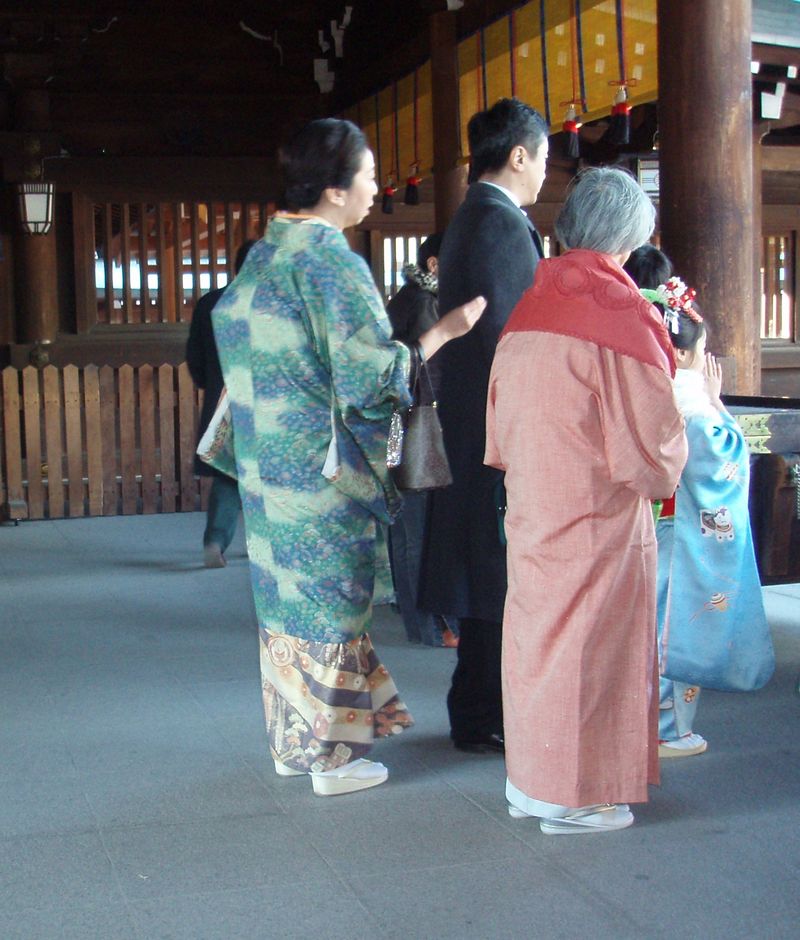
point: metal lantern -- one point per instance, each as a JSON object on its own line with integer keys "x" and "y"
{"x": 36, "y": 207}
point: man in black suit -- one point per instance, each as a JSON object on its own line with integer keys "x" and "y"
{"x": 203, "y": 362}
{"x": 490, "y": 248}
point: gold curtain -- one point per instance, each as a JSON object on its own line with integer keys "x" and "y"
{"x": 546, "y": 74}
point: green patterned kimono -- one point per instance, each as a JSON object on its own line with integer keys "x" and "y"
{"x": 302, "y": 325}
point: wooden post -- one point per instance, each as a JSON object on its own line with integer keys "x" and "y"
{"x": 7, "y": 223}
{"x": 706, "y": 156}
{"x": 760, "y": 130}
{"x": 448, "y": 175}
{"x": 37, "y": 288}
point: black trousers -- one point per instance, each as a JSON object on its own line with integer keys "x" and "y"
{"x": 475, "y": 700}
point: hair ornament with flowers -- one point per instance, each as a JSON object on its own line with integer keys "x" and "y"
{"x": 675, "y": 298}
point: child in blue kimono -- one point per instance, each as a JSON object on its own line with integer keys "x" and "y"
{"x": 712, "y": 629}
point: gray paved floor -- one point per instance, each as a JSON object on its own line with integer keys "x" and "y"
{"x": 137, "y": 800}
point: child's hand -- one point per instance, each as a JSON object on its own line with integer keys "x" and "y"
{"x": 712, "y": 371}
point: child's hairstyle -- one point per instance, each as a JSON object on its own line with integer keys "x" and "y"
{"x": 676, "y": 303}
{"x": 648, "y": 267}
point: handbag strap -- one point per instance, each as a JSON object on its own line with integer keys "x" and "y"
{"x": 422, "y": 368}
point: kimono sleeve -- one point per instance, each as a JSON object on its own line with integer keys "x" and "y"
{"x": 352, "y": 337}
{"x": 643, "y": 430}
{"x": 719, "y": 455}
{"x": 369, "y": 370}
{"x": 492, "y": 456}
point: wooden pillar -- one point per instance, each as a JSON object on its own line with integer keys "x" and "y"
{"x": 7, "y": 223}
{"x": 760, "y": 130}
{"x": 706, "y": 170}
{"x": 449, "y": 177}
{"x": 36, "y": 288}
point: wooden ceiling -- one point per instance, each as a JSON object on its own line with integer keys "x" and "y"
{"x": 173, "y": 77}
{"x": 137, "y": 78}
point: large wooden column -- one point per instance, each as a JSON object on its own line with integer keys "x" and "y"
{"x": 706, "y": 158}
{"x": 36, "y": 288}
{"x": 449, "y": 177}
{"x": 36, "y": 268}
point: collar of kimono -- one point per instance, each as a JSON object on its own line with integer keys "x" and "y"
{"x": 587, "y": 295}
{"x": 303, "y": 217}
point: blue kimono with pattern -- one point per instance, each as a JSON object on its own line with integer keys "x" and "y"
{"x": 301, "y": 329}
{"x": 713, "y": 631}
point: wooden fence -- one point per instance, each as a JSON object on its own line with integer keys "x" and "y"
{"x": 98, "y": 441}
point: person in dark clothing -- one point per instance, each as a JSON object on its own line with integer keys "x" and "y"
{"x": 203, "y": 362}
{"x": 413, "y": 310}
{"x": 491, "y": 248}
{"x": 415, "y": 307}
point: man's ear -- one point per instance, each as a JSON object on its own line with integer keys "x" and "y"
{"x": 516, "y": 158}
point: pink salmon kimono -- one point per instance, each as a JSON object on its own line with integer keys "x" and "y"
{"x": 581, "y": 417}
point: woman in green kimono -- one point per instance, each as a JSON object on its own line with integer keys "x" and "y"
{"x": 313, "y": 379}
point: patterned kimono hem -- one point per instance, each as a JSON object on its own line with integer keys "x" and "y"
{"x": 325, "y": 703}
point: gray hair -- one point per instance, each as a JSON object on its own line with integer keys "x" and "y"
{"x": 607, "y": 211}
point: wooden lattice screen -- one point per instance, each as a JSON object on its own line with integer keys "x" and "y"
{"x": 98, "y": 442}
{"x": 153, "y": 261}
{"x": 778, "y": 275}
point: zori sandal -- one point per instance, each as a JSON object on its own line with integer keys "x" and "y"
{"x": 605, "y": 817}
{"x": 283, "y": 771}
{"x": 516, "y": 813}
{"x": 357, "y": 775}
{"x": 686, "y": 746}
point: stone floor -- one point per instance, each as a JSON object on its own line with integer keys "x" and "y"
{"x": 137, "y": 799}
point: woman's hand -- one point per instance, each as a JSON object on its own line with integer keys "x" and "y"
{"x": 712, "y": 372}
{"x": 453, "y": 324}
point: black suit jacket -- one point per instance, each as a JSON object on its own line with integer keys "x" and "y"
{"x": 203, "y": 362}
{"x": 489, "y": 248}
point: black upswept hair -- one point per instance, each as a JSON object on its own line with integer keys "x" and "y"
{"x": 325, "y": 153}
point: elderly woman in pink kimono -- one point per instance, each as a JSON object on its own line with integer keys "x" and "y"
{"x": 581, "y": 418}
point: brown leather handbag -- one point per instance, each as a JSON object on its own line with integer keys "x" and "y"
{"x": 420, "y": 462}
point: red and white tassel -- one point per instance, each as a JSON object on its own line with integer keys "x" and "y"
{"x": 570, "y": 128}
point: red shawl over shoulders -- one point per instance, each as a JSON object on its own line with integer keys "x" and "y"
{"x": 587, "y": 295}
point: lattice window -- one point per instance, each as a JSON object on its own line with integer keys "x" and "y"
{"x": 778, "y": 308}
{"x": 398, "y": 251}
{"x": 153, "y": 261}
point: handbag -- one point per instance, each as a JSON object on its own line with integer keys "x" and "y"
{"x": 416, "y": 454}
{"x": 216, "y": 444}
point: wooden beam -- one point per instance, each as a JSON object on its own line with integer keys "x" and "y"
{"x": 780, "y": 159}
{"x": 775, "y": 55}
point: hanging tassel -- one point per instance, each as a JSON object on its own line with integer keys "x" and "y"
{"x": 411, "y": 196}
{"x": 389, "y": 190}
{"x": 570, "y": 128}
{"x": 619, "y": 130}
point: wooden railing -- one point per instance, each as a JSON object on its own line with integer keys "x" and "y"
{"x": 98, "y": 441}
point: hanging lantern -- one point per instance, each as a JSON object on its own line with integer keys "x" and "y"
{"x": 411, "y": 197}
{"x": 570, "y": 128}
{"x": 387, "y": 206}
{"x": 619, "y": 130}
{"x": 36, "y": 207}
